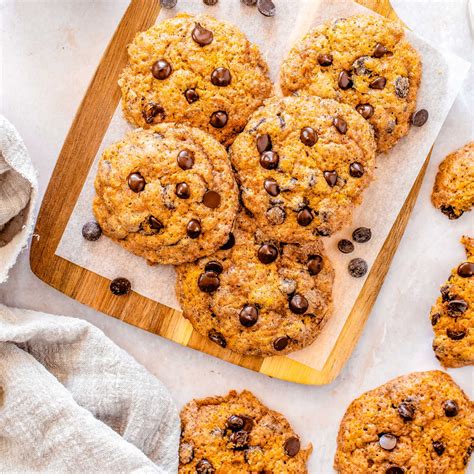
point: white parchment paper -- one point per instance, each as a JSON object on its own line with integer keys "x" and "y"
{"x": 396, "y": 171}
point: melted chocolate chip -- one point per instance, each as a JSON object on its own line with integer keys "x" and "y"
{"x": 325, "y": 59}
{"x": 219, "y": 119}
{"x": 439, "y": 447}
{"x": 136, "y": 182}
{"x": 388, "y": 441}
{"x": 292, "y": 446}
{"x": 340, "y": 124}
{"x": 161, "y": 69}
{"x": 201, "y": 35}
{"x": 330, "y": 177}
{"x": 185, "y": 159}
{"x": 379, "y": 50}
{"x": 229, "y": 244}
{"x": 466, "y": 270}
{"x": 357, "y": 267}
{"x": 305, "y": 217}
{"x": 280, "y": 343}
{"x": 191, "y": 95}
{"x": 267, "y": 253}
{"x": 456, "y": 334}
{"x": 221, "y": 77}
{"x": 182, "y": 191}
{"x": 298, "y": 304}
{"x": 205, "y": 467}
{"x": 457, "y": 307}
{"x": 120, "y": 286}
{"x": 211, "y": 199}
{"x": 248, "y": 316}
{"x": 151, "y": 110}
{"x": 269, "y": 160}
{"x": 154, "y": 223}
{"x": 308, "y": 136}
{"x": 378, "y": 83}
{"x": 271, "y": 187}
{"x": 420, "y": 118}
{"x": 91, "y": 231}
{"x": 366, "y": 110}
{"x": 315, "y": 264}
{"x": 214, "y": 266}
{"x": 193, "y": 229}
{"x": 217, "y": 337}
{"x": 406, "y": 410}
{"x": 345, "y": 246}
{"x": 264, "y": 143}
{"x": 362, "y": 235}
{"x": 450, "y": 408}
{"x": 356, "y": 170}
{"x": 344, "y": 80}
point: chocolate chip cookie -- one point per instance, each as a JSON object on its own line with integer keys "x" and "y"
{"x": 196, "y": 70}
{"x": 418, "y": 423}
{"x": 256, "y": 295}
{"x": 452, "y": 316}
{"x": 238, "y": 434}
{"x": 166, "y": 194}
{"x": 453, "y": 191}
{"x": 363, "y": 61}
{"x": 303, "y": 164}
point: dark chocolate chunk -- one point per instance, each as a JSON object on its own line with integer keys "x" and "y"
{"x": 435, "y": 318}
{"x": 356, "y": 170}
{"x": 210, "y": 2}
{"x": 120, "y": 286}
{"x": 357, "y": 267}
{"x": 378, "y": 83}
{"x": 394, "y": 470}
{"x": 235, "y": 423}
{"x": 325, "y": 60}
{"x": 266, "y": 7}
{"x": 456, "y": 334}
{"x": 91, "y": 231}
{"x": 292, "y": 446}
{"x": 362, "y": 235}
{"x": 366, "y": 110}
{"x": 439, "y": 447}
{"x": 344, "y": 80}
{"x": 345, "y": 246}
{"x": 419, "y": 118}
{"x": 379, "y": 50}
{"x": 457, "y": 307}
{"x": 154, "y": 223}
{"x": 217, "y": 337}
{"x": 406, "y": 410}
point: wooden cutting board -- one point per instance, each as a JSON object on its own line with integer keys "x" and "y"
{"x": 77, "y": 155}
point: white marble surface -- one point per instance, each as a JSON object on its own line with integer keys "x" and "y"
{"x": 49, "y": 51}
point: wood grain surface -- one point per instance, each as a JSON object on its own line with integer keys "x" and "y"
{"x": 76, "y": 157}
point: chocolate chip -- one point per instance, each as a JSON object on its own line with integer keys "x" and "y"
{"x": 378, "y": 83}
{"x": 308, "y": 136}
{"x": 450, "y": 408}
{"x": 359, "y": 67}
{"x": 466, "y": 270}
{"x": 356, "y": 170}
{"x": 217, "y": 337}
{"x": 229, "y": 244}
{"x": 439, "y": 447}
{"x": 330, "y": 177}
{"x": 248, "y": 316}
{"x": 298, "y": 304}
{"x": 419, "y": 118}
{"x": 406, "y": 410}
{"x": 275, "y": 215}
{"x": 249, "y": 3}
{"x": 267, "y": 253}
{"x": 151, "y": 110}
{"x": 120, "y": 286}
{"x": 204, "y": 467}
{"x": 340, "y": 124}
{"x": 435, "y": 318}
{"x": 456, "y": 335}
{"x": 208, "y": 281}
{"x": 305, "y": 217}
{"x": 168, "y": 3}
{"x": 235, "y": 423}
{"x": 445, "y": 293}
{"x": 315, "y": 264}
{"x": 219, "y": 119}
{"x": 161, "y": 69}
{"x": 201, "y": 35}
{"x": 221, "y": 77}
{"x": 325, "y": 59}
{"x": 345, "y": 246}
{"x": 357, "y": 267}
{"x": 402, "y": 86}
{"x": 292, "y": 446}
{"x": 210, "y": 2}
{"x": 366, "y": 110}
{"x": 394, "y": 470}
{"x": 91, "y": 231}
{"x": 186, "y": 453}
{"x": 269, "y": 160}
{"x": 362, "y": 235}
{"x": 185, "y": 159}
{"x": 264, "y": 143}
{"x": 193, "y": 229}
{"x": 154, "y": 223}
{"x": 388, "y": 441}
{"x": 280, "y": 343}
{"x": 451, "y": 212}
{"x": 214, "y": 266}
{"x": 182, "y": 191}
{"x": 266, "y": 7}
{"x": 379, "y": 50}
{"x": 191, "y": 95}
{"x": 344, "y": 81}
{"x": 457, "y": 307}
{"x": 271, "y": 187}
{"x": 136, "y": 182}
{"x": 211, "y": 199}
{"x": 239, "y": 439}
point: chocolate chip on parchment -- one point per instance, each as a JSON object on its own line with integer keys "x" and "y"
{"x": 217, "y": 337}
{"x": 292, "y": 446}
{"x": 330, "y": 177}
{"x": 214, "y": 266}
{"x": 388, "y": 441}
{"x": 91, "y": 231}
{"x": 186, "y": 453}
{"x": 185, "y": 159}
{"x": 419, "y": 118}
{"x": 249, "y": 3}
{"x": 205, "y": 467}
{"x": 357, "y": 267}
{"x": 466, "y": 269}
{"x": 182, "y": 191}
{"x": 221, "y": 77}
{"x": 191, "y": 95}
{"x": 266, "y": 7}
{"x": 356, "y": 170}
{"x": 219, "y": 119}
{"x": 211, "y": 199}
{"x": 208, "y": 281}
{"x": 271, "y": 187}
{"x": 308, "y": 136}
{"x": 267, "y": 253}
{"x": 136, "y": 182}
{"x": 264, "y": 143}
{"x": 248, "y": 316}
{"x": 366, "y": 110}
{"x": 201, "y": 35}
{"x": 168, "y": 3}
{"x": 345, "y": 246}
{"x": 325, "y": 59}
{"x": 120, "y": 286}
{"x": 193, "y": 229}
{"x": 450, "y": 408}
{"x": 229, "y": 244}
{"x": 456, "y": 334}
{"x": 344, "y": 80}
{"x": 379, "y": 50}
{"x": 269, "y": 160}
{"x": 298, "y": 304}
{"x": 151, "y": 110}
{"x": 315, "y": 264}
{"x": 378, "y": 83}
{"x": 210, "y": 2}
{"x": 161, "y": 69}
{"x": 280, "y": 343}
{"x": 362, "y": 235}
{"x": 305, "y": 217}
{"x": 340, "y": 124}
{"x": 439, "y": 447}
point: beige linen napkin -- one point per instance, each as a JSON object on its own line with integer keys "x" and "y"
{"x": 72, "y": 401}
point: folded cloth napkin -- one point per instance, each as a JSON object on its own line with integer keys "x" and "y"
{"x": 72, "y": 401}
{"x": 18, "y": 191}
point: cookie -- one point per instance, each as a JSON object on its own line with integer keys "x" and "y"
{"x": 238, "y": 434}
{"x": 453, "y": 191}
{"x": 452, "y": 316}
{"x": 258, "y": 296}
{"x": 363, "y": 61}
{"x": 303, "y": 164}
{"x": 417, "y": 423}
{"x": 195, "y": 70}
{"x": 166, "y": 194}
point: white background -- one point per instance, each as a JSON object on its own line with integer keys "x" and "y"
{"x": 49, "y": 51}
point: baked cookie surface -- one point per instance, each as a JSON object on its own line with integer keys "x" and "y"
{"x": 195, "y": 70}
{"x": 453, "y": 191}
{"x": 452, "y": 316}
{"x": 238, "y": 434}
{"x": 258, "y": 296}
{"x": 363, "y": 61}
{"x": 417, "y": 423}
{"x": 303, "y": 164}
{"x": 166, "y": 194}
